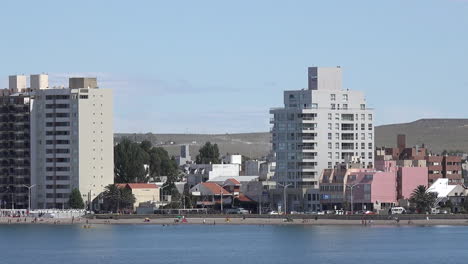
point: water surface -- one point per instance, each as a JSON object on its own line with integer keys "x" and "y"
{"x": 54, "y": 244}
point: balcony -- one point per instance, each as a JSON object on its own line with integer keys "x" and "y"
{"x": 308, "y": 129}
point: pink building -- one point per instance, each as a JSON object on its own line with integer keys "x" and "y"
{"x": 371, "y": 189}
{"x": 409, "y": 178}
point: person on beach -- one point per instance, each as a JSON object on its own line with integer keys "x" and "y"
{"x": 204, "y": 220}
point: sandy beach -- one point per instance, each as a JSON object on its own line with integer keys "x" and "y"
{"x": 232, "y": 221}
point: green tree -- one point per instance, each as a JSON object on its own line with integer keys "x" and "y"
{"x": 117, "y": 198}
{"x": 423, "y": 199}
{"x": 146, "y": 145}
{"x": 209, "y": 153}
{"x": 161, "y": 164}
{"x": 465, "y": 205}
{"x": 76, "y": 201}
{"x": 129, "y": 160}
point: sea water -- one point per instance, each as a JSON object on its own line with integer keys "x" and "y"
{"x": 70, "y": 244}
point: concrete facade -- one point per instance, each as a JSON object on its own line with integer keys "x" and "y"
{"x": 316, "y": 129}
{"x": 15, "y": 161}
{"x": 72, "y": 143}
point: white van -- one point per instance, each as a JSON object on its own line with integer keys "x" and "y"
{"x": 398, "y": 210}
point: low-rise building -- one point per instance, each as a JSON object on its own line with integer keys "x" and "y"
{"x": 197, "y": 173}
{"x": 211, "y": 194}
{"x": 143, "y": 192}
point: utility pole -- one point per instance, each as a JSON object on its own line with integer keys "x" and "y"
{"x": 351, "y": 187}
{"x": 222, "y": 191}
{"x": 284, "y": 196}
{"x": 29, "y": 197}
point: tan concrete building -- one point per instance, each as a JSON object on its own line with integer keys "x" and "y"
{"x": 143, "y": 192}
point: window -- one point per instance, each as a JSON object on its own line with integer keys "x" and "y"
{"x": 329, "y": 116}
{"x": 329, "y": 145}
{"x": 368, "y": 177}
{"x": 369, "y": 116}
{"x": 333, "y": 106}
{"x": 337, "y": 126}
{"x": 370, "y": 136}
{"x": 363, "y": 107}
{"x": 337, "y": 136}
{"x": 369, "y": 126}
{"x": 329, "y": 136}
{"x": 363, "y": 145}
{"x": 332, "y": 97}
{"x": 345, "y": 106}
{"x": 337, "y": 145}
{"x": 337, "y": 155}
{"x": 345, "y": 97}
{"x": 370, "y": 146}
{"x": 329, "y": 126}
{"x": 370, "y": 155}
{"x": 363, "y": 126}
{"x": 363, "y": 116}
{"x": 363, "y": 155}
{"x": 83, "y": 96}
{"x": 363, "y": 136}
{"x": 329, "y": 155}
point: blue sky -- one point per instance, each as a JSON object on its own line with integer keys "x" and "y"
{"x": 218, "y": 66}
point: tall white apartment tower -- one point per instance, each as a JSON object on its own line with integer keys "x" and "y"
{"x": 318, "y": 128}
{"x": 71, "y": 141}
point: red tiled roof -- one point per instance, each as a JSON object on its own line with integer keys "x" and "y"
{"x": 215, "y": 188}
{"x": 233, "y": 181}
{"x": 243, "y": 198}
{"x": 142, "y": 186}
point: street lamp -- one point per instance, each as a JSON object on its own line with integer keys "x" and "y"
{"x": 161, "y": 193}
{"x": 284, "y": 196}
{"x": 351, "y": 187}
{"x": 222, "y": 191}
{"x": 29, "y": 197}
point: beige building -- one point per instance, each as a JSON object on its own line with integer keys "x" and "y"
{"x": 71, "y": 141}
{"x": 143, "y": 192}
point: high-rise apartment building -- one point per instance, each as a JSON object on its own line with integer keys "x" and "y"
{"x": 15, "y": 173}
{"x": 62, "y": 139}
{"x": 318, "y": 128}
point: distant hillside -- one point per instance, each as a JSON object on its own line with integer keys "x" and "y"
{"x": 254, "y": 145}
{"x": 436, "y": 134}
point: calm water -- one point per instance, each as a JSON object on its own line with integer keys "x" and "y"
{"x": 232, "y": 244}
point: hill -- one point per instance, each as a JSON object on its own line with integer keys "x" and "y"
{"x": 436, "y": 134}
{"x": 254, "y": 145}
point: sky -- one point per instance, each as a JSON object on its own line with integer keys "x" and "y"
{"x": 219, "y": 66}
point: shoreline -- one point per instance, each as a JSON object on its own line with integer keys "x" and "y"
{"x": 232, "y": 221}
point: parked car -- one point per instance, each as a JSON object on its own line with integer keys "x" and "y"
{"x": 369, "y": 213}
{"x": 236, "y": 211}
{"x": 273, "y": 213}
{"x": 296, "y": 212}
{"x": 397, "y": 210}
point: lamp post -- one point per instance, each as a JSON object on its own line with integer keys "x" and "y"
{"x": 351, "y": 187}
{"x": 284, "y": 196}
{"x": 161, "y": 193}
{"x": 29, "y": 197}
{"x": 222, "y": 191}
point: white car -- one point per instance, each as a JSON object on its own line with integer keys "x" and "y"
{"x": 273, "y": 213}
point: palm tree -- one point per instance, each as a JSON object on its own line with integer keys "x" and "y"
{"x": 423, "y": 199}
